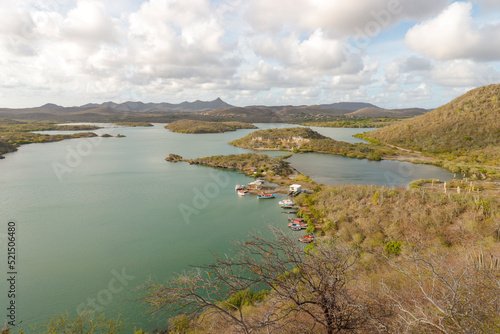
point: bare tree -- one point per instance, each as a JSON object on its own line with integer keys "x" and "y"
{"x": 440, "y": 293}
{"x": 315, "y": 284}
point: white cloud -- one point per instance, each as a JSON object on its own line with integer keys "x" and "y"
{"x": 317, "y": 53}
{"x": 257, "y": 51}
{"x": 411, "y": 69}
{"x": 338, "y": 18}
{"x": 464, "y": 73}
{"x": 488, "y": 4}
{"x": 422, "y": 92}
{"x": 454, "y": 35}
{"x": 89, "y": 25}
{"x": 355, "y": 81}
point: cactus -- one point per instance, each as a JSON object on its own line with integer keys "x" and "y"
{"x": 480, "y": 263}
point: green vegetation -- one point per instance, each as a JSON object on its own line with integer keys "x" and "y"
{"x": 243, "y": 298}
{"x": 306, "y": 140}
{"x": 14, "y": 133}
{"x": 418, "y": 183}
{"x": 350, "y": 122}
{"x": 134, "y": 124}
{"x": 8, "y": 125}
{"x": 86, "y": 322}
{"x": 247, "y": 162}
{"x": 377, "y": 215}
{"x": 192, "y": 126}
{"x": 462, "y": 136}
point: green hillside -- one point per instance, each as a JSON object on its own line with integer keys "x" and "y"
{"x": 466, "y": 130}
{"x": 300, "y": 139}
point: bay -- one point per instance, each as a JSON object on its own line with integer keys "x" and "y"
{"x": 98, "y": 217}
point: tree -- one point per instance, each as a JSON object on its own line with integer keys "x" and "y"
{"x": 317, "y": 285}
{"x": 444, "y": 293}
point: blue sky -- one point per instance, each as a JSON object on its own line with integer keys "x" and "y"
{"x": 393, "y": 53}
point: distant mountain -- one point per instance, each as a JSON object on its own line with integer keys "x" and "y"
{"x": 353, "y": 106}
{"x": 184, "y": 106}
{"x": 142, "y": 107}
{"x": 200, "y": 105}
{"x": 50, "y": 106}
{"x": 396, "y": 113}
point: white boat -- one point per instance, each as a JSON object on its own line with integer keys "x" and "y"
{"x": 242, "y": 192}
{"x": 287, "y": 202}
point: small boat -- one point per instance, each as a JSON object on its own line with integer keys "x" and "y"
{"x": 242, "y": 192}
{"x": 286, "y": 202}
{"x": 263, "y": 195}
{"x": 307, "y": 238}
{"x": 302, "y": 225}
{"x": 239, "y": 187}
{"x": 296, "y": 228}
{"x": 286, "y": 206}
{"x": 296, "y": 220}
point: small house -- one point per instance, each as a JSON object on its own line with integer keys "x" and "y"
{"x": 257, "y": 184}
{"x": 295, "y": 188}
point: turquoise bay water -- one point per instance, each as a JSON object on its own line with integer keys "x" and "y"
{"x": 94, "y": 225}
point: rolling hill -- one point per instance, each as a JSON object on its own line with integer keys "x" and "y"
{"x": 393, "y": 113}
{"x": 466, "y": 130}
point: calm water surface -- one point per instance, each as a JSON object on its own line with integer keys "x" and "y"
{"x": 98, "y": 217}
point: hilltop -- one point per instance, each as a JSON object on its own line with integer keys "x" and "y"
{"x": 466, "y": 130}
{"x": 301, "y": 139}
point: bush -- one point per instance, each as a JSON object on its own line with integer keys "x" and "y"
{"x": 393, "y": 248}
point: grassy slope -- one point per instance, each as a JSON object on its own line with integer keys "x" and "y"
{"x": 465, "y": 130}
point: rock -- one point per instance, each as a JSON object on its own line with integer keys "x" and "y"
{"x": 174, "y": 158}
{"x": 106, "y": 135}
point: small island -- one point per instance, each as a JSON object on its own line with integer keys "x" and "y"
{"x": 193, "y": 126}
{"x": 301, "y": 139}
{"x": 133, "y": 124}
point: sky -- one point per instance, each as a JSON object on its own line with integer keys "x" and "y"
{"x": 393, "y": 53}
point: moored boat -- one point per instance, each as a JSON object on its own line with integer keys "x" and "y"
{"x": 307, "y": 238}
{"x": 286, "y": 202}
{"x": 242, "y": 192}
{"x": 263, "y": 195}
{"x": 301, "y": 225}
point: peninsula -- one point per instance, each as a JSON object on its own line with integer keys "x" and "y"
{"x": 273, "y": 170}
{"x": 14, "y": 133}
{"x": 301, "y": 139}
